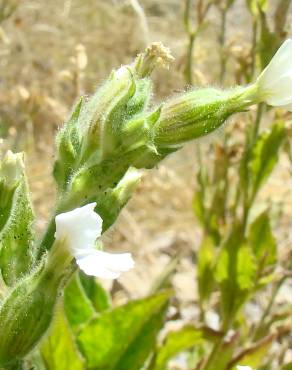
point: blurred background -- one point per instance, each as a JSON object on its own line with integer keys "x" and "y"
{"x": 51, "y": 52}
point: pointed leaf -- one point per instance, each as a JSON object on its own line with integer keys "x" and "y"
{"x": 58, "y": 349}
{"x": 262, "y": 241}
{"x": 206, "y": 263}
{"x": 235, "y": 272}
{"x": 107, "y": 340}
{"x": 78, "y": 307}
{"x": 144, "y": 344}
{"x": 265, "y": 155}
{"x": 176, "y": 342}
{"x": 95, "y": 292}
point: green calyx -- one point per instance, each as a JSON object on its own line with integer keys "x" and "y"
{"x": 26, "y": 314}
{"x": 16, "y": 221}
{"x": 198, "y": 113}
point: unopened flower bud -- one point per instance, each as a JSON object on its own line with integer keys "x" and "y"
{"x": 11, "y": 171}
{"x": 16, "y": 220}
{"x": 197, "y": 113}
{"x": 109, "y": 205}
{"x": 26, "y": 314}
{"x": 12, "y": 167}
{"x": 102, "y": 115}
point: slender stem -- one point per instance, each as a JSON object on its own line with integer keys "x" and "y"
{"x": 217, "y": 348}
{"x": 254, "y": 47}
{"x": 191, "y": 40}
{"x": 212, "y": 359}
{"x": 257, "y": 123}
{"x": 269, "y": 306}
{"x": 143, "y": 20}
{"x": 222, "y": 37}
{"x": 189, "y": 67}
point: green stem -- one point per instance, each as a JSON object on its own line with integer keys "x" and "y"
{"x": 217, "y": 348}
{"x": 257, "y": 123}
{"x": 268, "y": 308}
{"x": 212, "y": 359}
{"x": 248, "y": 200}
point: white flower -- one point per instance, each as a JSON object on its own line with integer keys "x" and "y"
{"x": 243, "y": 367}
{"x": 275, "y": 82}
{"x": 80, "y": 228}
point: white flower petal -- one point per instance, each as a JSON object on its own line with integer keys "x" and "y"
{"x": 243, "y": 367}
{"x": 275, "y": 81}
{"x": 104, "y": 265}
{"x": 80, "y": 227}
{"x": 280, "y": 63}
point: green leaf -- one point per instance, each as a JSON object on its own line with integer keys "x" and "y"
{"x": 262, "y": 241}
{"x": 58, "y": 349}
{"x": 235, "y": 273}
{"x": 206, "y": 263}
{"x": 265, "y": 155}
{"x": 119, "y": 335}
{"x": 95, "y": 292}
{"x": 176, "y": 342}
{"x": 16, "y": 238}
{"x": 140, "y": 349}
{"x": 78, "y": 307}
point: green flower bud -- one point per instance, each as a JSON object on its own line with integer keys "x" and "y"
{"x": 16, "y": 235}
{"x": 103, "y": 114}
{"x": 199, "y": 112}
{"x": 68, "y": 146}
{"x": 27, "y": 311}
{"x": 110, "y": 204}
{"x": 12, "y": 168}
{"x": 11, "y": 172}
